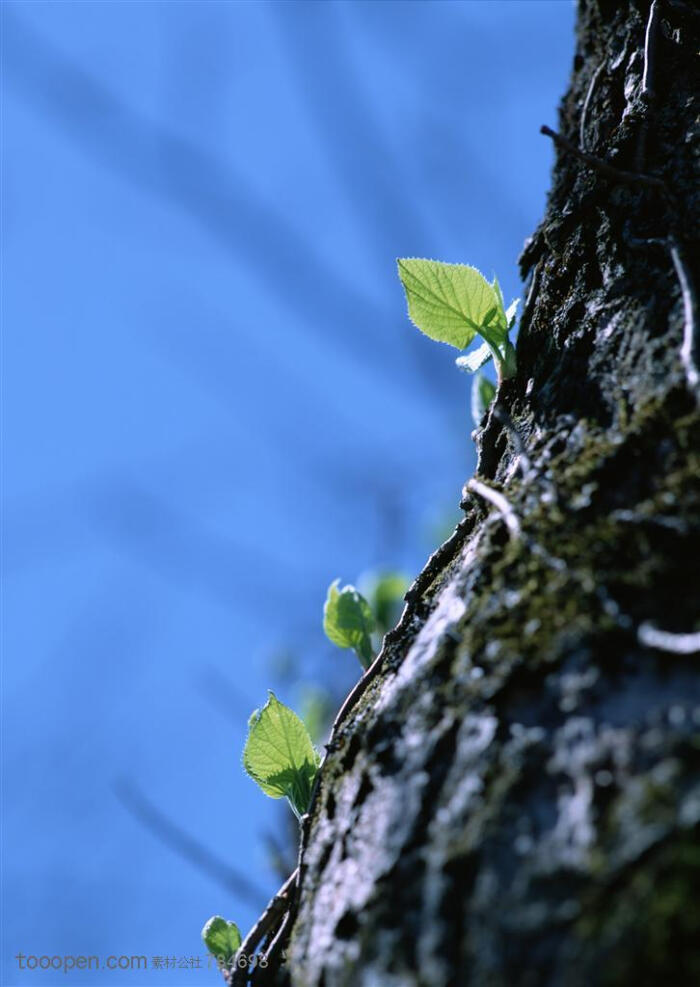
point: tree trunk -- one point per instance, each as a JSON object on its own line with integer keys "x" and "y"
{"x": 515, "y": 797}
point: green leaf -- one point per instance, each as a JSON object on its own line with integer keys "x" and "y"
{"x": 348, "y": 621}
{"x": 483, "y": 393}
{"x": 279, "y": 755}
{"x": 222, "y": 938}
{"x": 451, "y": 303}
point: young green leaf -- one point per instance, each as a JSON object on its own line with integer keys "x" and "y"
{"x": 348, "y": 621}
{"x": 279, "y": 755}
{"x": 222, "y": 939}
{"x": 451, "y": 303}
{"x": 483, "y": 392}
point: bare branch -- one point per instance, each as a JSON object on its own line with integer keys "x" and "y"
{"x": 690, "y": 350}
{"x": 647, "y": 92}
{"x": 262, "y": 973}
{"x": 650, "y": 51}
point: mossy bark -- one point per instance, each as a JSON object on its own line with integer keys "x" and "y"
{"x": 515, "y": 799}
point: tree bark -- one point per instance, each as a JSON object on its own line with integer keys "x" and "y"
{"x": 514, "y": 799}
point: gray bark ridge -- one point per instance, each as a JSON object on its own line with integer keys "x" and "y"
{"x": 514, "y": 799}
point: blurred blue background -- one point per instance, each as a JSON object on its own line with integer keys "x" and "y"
{"x": 214, "y": 404}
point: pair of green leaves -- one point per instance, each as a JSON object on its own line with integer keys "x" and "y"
{"x": 280, "y": 756}
{"x": 453, "y": 303}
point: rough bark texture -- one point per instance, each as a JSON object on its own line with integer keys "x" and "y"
{"x": 515, "y": 799}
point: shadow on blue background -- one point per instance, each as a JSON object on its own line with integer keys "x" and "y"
{"x": 214, "y": 404}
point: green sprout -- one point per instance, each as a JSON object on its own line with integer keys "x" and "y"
{"x": 279, "y": 755}
{"x": 222, "y": 939}
{"x": 349, "y": 622}
{"x": 454, "y": 303}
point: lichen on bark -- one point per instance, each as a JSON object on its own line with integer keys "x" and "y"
{"x": 515, "y": 800}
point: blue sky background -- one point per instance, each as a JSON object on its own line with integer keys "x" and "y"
{"x": 214, "y": 404}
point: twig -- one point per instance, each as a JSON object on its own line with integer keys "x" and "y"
{"x": 677, "y": 644}
{"x": 690, "y": 350}
{"x": 509, "y": 516}
{"x": 261, "y": 972}
{"x": 586, "y": 105}
{"x": 277, "y": 906}
{"x": 276, "y": 942}
{"x": 648, "y": 90}
{"x": 650, "y": 51}
{"x": 617, "y": 174}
